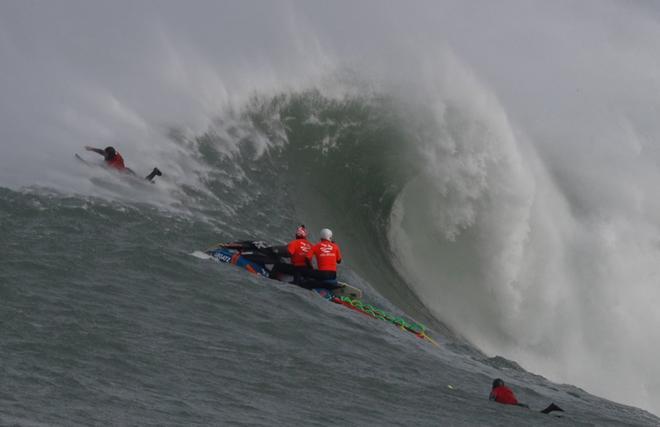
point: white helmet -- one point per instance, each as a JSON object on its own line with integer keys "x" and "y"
{"x": 326, "y": 234}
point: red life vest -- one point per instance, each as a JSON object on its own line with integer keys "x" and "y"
{"x": 117, "y": 162}
{"x": 503, "y": 394}
{"x": 298, "y": 249}
{"x": 327, "y": 255}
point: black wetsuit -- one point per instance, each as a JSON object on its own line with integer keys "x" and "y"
{"x": 282, "y": 268}
{"x": 318, "y": 279}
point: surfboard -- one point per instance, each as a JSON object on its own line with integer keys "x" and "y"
{"x": 82, "y": 160}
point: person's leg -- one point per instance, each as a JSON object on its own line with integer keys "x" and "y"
{"x": 299, "y": 274}
{"x": 320, "y": 279}
{"x": 552, "y": 407}
{"x": 154, "y": 173}
{"x": 280, "y": 268}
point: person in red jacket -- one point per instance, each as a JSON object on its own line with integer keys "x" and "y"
{"x": 503, "y": 394}
{"x": 114, "y": 160}
{"x": 500, "y": 393}
{"x": 299, "y": 248}
{"x": 328, "y": 255}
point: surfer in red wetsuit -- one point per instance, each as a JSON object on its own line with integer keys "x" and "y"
{"x": 500, "y": 393}
{"x": 503, "y": 394}
{"x": 114, "y": 160}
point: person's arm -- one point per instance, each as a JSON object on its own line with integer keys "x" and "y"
{"x": 96, "y": 150}
{"x": 308, "y": 259}
{"x": 492, "y": 396}
{"x": 338, "y": 255}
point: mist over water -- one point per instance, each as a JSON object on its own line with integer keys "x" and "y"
{"x": 523, "y": 210}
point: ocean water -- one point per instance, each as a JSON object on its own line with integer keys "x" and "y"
{"x": 107, "y": 319}
{"x": 502, "y": 197}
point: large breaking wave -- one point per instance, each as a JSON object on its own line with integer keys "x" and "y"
{"x": 524, "y": 221}
{"x": 447, "y": 197}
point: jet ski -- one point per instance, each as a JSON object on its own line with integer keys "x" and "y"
{"x": 262, "y": 259}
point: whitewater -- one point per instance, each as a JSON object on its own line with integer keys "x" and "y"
{"x": 488, "y": 169}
